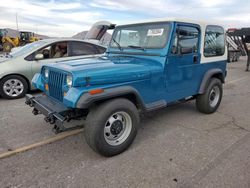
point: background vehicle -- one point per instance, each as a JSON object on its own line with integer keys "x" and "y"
{"x": 237, "y": 40}
{"x": 2, "y": 35}
{"x": 18, "y": 68}
{"x": 24, "y": 38}
{"x": 146, "y": 67}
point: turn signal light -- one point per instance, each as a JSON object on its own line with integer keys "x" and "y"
{"x": 96, "y": 91}
{"x": 46, "y": 87}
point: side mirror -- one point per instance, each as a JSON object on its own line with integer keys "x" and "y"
{"x": 174, "y": 50}
{"x": 39, "y": 57}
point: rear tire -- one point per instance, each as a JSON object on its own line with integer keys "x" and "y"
{"x": 111, "y": 126}
{"x": 13, "y": 87}
{"x": 209, "y": 101}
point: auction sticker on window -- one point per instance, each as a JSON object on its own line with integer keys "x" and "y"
{"x": 155, "y": 32}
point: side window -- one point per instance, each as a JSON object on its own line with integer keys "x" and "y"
{"x": 56, "y": 50}
{"x": 59, "y": 50}
{"x": 82, "y": 48}
{"x": 46, "y": 52}
{"x": 186, "y": 40}
{"x": 214, "y": 41}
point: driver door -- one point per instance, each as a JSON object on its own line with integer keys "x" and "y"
{"x": 183, "y": 62}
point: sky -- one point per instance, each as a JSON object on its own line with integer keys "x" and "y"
{"x": 64, "y": 18}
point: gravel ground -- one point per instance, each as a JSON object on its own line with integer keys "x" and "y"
{"x": 175, "y": 147}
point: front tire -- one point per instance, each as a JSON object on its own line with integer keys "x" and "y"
{"x": 210, "y": 101}
{"x": 13, "y": 87}
{"x": 111, "y": 126}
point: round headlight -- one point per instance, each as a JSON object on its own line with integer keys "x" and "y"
{"x": 46, "y": 73}
{"x": 69, "y": 81}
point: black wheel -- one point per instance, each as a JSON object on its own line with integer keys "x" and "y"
{"x": 7, "y": 47}
{"x": 111, "y": 126}
{"x": 209, "y": 101}
{"x": 13, "y": 87}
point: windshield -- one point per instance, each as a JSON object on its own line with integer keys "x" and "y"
{"x": 27, "y": 48}
{"x": 144, "y": 36}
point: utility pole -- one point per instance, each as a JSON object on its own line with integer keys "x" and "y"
{"x": 36, "y": 25}
{"x": 17, "y": 23}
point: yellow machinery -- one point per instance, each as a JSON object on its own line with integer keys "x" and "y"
{"x": 2, "y": 35}
{"x": 24, "y": 38}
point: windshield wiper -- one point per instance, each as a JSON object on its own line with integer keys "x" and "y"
{"x": 119, "y": 46}
{"x": 137, "y": 47}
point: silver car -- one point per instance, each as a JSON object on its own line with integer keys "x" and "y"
{"x": 18, "y": 68}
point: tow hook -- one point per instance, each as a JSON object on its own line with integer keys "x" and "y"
{"x": 35, "y": 111}
{"x": 50, "y": 119}
{"x": 46, "y": 119}
{"x": 28, "y": 102}
{"x": 56, "y": 129}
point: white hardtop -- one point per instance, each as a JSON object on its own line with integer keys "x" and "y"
{"x": 203, "y": 23}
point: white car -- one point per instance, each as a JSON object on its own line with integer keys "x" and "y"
{"x": 18, "y": 68}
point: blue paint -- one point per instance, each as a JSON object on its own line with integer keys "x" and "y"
{"x": 37, "y": 82}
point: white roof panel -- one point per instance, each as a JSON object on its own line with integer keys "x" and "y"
{"x": 184, "y": 20}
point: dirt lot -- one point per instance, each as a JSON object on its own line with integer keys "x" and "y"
{"x": 175, "y": 147}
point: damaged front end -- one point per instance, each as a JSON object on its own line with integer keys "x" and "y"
{"x": 56, "y": 113}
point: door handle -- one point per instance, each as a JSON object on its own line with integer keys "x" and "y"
{"x": 195, "y": 59}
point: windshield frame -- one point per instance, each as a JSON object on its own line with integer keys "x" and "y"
{"x": 112, "y": 46}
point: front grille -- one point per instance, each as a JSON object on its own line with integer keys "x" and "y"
{"x": 56, "y": 81}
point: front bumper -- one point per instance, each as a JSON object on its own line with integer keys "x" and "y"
{"x": 55, "y": 112}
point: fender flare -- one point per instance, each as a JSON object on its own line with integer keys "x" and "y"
{"x": 86, "y": 100}
{"x": 207, "y": 76}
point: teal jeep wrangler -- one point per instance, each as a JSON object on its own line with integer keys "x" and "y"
{"x": 147, "y": 66}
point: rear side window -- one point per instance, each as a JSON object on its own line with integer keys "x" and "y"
{"x": 82, "y": 48}
{"x": 214, "y": 41}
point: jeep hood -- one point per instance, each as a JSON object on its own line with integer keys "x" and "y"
{"x": 107, "y": 70}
